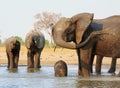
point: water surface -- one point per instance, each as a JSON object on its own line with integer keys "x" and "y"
{"x": 44, "y": 78}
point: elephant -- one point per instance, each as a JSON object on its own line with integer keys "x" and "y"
{"x": 12, "y": 50}
{"x": 60, "y": 69}
{"x": 92, "y": 37}
{"x": 34, "y": 42}
{"x": 71, "y": 37}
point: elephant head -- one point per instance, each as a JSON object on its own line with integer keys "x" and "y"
{"x": 35, "y": 38}
{"x": 11, "y": 43}
{"x": 77, "y": 24}
{"x": 38, "y": 40}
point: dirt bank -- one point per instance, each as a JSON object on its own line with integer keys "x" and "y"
{"x": 49, "y": 57}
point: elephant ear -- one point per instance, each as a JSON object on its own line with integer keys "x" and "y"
{"x": 28, "y": 41}
{"x": 82, "y": 24}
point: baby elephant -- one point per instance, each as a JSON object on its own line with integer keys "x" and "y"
{"x": 60, "y": 69}
{"x": 34, "y": 42}
{"x": 12, "y": 51}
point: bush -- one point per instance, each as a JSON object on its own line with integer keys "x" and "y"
{"x": 46, "y": 43}
{"x": 20, "y": 40}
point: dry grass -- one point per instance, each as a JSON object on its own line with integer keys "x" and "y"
{"x": 48, "y": 56}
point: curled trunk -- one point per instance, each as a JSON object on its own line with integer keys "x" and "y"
{"x": 57, "y": 36}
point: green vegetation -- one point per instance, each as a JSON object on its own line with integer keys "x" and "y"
{"x": 20, "y": 40}
{"x": 46, "y": 43}
{"x": 0, "y": 41}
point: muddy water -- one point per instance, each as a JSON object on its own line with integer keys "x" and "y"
{"x": 44, "y": 78}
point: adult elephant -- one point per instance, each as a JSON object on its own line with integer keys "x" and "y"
{"x": 92, "y": 37}
{"x": 12, "y": 51}
{"x": 34, "y": 42}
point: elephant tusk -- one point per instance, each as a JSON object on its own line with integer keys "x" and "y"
{"x": 55, "y": 48}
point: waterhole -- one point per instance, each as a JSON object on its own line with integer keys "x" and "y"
{"x": 44, "y": 78}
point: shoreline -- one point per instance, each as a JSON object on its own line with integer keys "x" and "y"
{"x": 49, "y": 57}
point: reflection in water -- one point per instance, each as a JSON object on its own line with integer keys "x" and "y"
{"x": 33, "y": 69}
{"x": 44, "y": 78}
{"x": 13, "y": 70}
{"x": 98, "y": 84}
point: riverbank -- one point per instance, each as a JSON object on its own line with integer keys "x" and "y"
{"x": 49, "y": 57}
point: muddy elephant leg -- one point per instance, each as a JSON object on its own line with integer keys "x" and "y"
{"x": 98, "y": 64}
{"x": 30, "y": 61}
{"x": 16, "y": 61}
{"x": 91, "y": 63}
{"x": 113, "y": 66}
{"x": 37, "y": 60}
{"x": 11, "y": 60}
{"x": 85, "y": 61}
{"x": 79, "y": 63}
{"x": 8, "y": 60}
{"x": 39, "y": 64}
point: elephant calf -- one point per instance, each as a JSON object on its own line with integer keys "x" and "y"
{"x": 12, "y": 51}
{"x": 34, "y": 42}
{"x": 60, "y": 69}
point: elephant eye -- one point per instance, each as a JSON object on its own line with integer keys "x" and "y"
{"x": 14, "y": 44}
{"x": 69, "y": 31}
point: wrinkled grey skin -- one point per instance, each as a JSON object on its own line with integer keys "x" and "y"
{"x": 92, "y": 37}
{"x": 34, "y": 42}
{"x": 12, "y": 51}
{"x": 60, "y": 68}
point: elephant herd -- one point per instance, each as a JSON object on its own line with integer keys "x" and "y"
{"x": 34, "y": 43}
{"x": 88, "y": 36}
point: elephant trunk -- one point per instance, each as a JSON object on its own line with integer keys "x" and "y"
{"x": 94, "y": 35}
{"x": 57, "y": 37}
